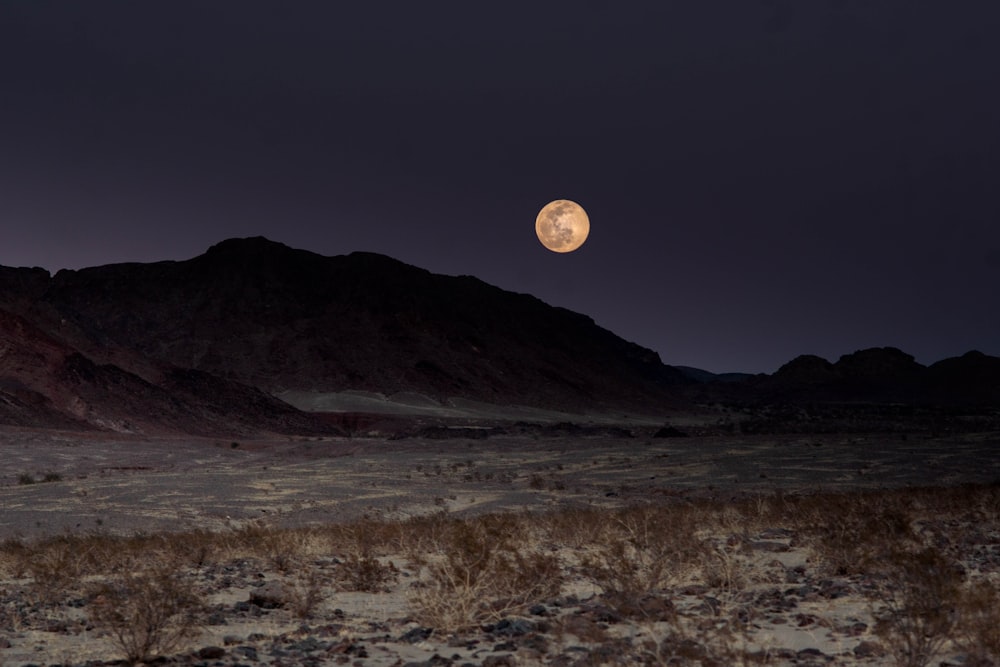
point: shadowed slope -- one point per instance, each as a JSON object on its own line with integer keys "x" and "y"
{"x": 280, "y": 319}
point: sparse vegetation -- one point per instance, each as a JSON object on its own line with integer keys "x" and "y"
{"x": 147, "y": 613}
{"x": 482, "y": 569}
{"x": 675, "y": 582}
{"x": 25, "y": 478}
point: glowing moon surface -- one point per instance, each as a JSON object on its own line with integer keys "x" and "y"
{"x": 562, "y": 225}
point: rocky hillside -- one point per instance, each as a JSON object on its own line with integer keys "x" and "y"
{"x": 46, "y": 382}
{"x": 281, "y": 319}
{"x": 204, "y": 345}
{"x": 251, "y": 315}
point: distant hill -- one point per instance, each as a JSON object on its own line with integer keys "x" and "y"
{"x": 700, "y": 375}
{"x": 883, "y": 375}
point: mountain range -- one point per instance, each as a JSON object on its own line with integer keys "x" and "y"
{"x": 207, "y": 345}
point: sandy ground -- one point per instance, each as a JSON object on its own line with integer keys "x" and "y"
{"x": 122, "y": 485}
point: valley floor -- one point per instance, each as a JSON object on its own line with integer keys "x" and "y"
{"x": 559, "y": 550}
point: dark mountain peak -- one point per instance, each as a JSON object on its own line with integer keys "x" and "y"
{"x": 878, "y": 363}
{"x": 250, "y": 245}
{"x": 255, "y": 252}
{"x": 20, "y": 286}
{"x": 973, "y": 372}
{"x": 806, "y": 368}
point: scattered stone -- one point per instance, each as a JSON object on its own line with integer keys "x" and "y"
{"x": 212, "y": 652}
{"x": 415, "y": 635}
{"x": 868, "y": 649}
{"x": 508, "y": 627}
{"x": 506, "y": 660}
{"x": 216, "y": 618}
{"x": 270, "y": 595}
{"x": 248, "y": 652}
{"x": 433, "y": 661}
{"x": 308, "y": 645}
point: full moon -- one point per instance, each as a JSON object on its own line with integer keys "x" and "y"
{"x": 562, "y": 225}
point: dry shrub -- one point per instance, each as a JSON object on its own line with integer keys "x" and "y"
{"x": 480, "y": 571}
{"x": 918, "y": 592}
{"x": 642, "y": 549}
{"x": 572, "y": 527}
{"x": 849, "y": 532}
{"x": 55, "y": 566}
{"x": 305, "y": 592}
{"x": 147, "y": 613}
{"x": 360, "y": 569}
{"x": 978, "y": 632}
{"x": 14, "y": 558}
{"x": 285, "y": 550}
{"x": 724, "y": 568}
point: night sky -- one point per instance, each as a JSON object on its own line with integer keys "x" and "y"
{"x": 764, "y": 178}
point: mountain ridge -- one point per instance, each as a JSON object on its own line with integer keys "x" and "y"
{"x": 205, "y": 344}
{"x": 265, "y": 317}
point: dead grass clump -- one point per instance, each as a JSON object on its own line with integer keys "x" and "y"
{"x": 14, "y": 558}
{"x": 918, "y": 594}
{"x": 848, "y": 533}
{"x": 146, "y": 613}
{"x": 284, "y": 549}
{"x": 56, "y": 566}
{"x": 479, "y": 571}
{"x": 978, "y": 625}
{"x": 362, "y": 571}
{"x": 572, "y": 527}
{"x": 640, "y": 550}
{"x": 305, "y": 592}
{"x": 361, "y": 544}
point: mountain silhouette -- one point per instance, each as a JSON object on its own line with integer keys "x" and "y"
{"x": 206, "y": 344}
{"x": 261, "y": 315}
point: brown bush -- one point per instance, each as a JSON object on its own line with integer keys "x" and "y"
{"x": 147, "y": 613}
{"x": 919, "y": 593}
{"x": 480, "y": 571}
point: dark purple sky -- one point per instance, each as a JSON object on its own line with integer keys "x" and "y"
{"x": 764, "y": 178}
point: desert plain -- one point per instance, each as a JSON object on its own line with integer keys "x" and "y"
{"x": 561, "y": 541}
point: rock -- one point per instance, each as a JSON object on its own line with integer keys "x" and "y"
{"x": 270, "y": 595}
{"x": 669, "y": 431}
{"x": 248, "y": 652}
{"x": 515, "y": 627}
{"x": 216, "y": 618}
{"x": 433, "y": 661}
{"x": 499, "y": 661}
{"x": 867, "y": 649}
{"x": 308, "y": 645}
{"x": 414, "y": 635}
{"x": 212, "y": 652}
